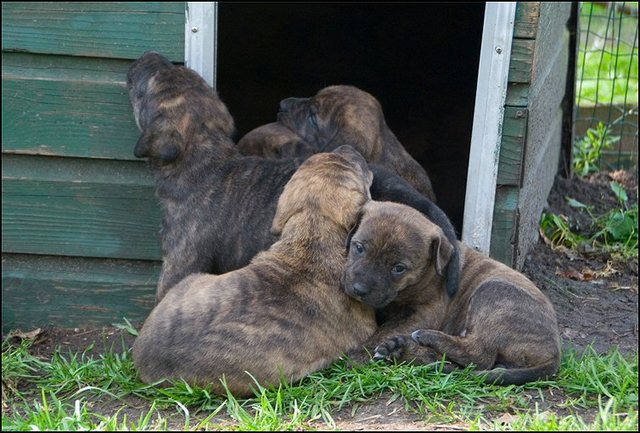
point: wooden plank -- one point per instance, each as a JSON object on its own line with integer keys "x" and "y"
{"x": 512, "y": 146}
{"x": 62, "y": 291}
{"x": 505, "y": 222}
{"x": 546, "y": 96}
{"x": 541, "y": 170}
{"x": 526, "y": 23}
{"x": 68, "y": 107}
{"x": 521, "y": 60}
{"x": 74, "y": 207}
{"x": 517, "y": 95}
{"x": 552, "y": 37}
{"x": 94, "y": 29}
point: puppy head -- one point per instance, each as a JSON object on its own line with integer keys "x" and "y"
{"x": 395, "y": 253}
{"x": 172, "y": 104}
{"x": 334, "y": 184}
{"x": 335, "y": 116}
{"x": 275, "y": 141}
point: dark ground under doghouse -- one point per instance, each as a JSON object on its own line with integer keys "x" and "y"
{"x": 596, "y": 301}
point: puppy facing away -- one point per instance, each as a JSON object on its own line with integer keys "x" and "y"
{"x": 274, "y": 141}
{"x": 345, "y": 114}
{"x": 284, "y": 315}
{"x": 498, "y": 320}
{"x": 218, "y": 204}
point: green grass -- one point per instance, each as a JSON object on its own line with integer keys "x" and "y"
{"x": 71, "y": 391}
{"x": 607, "y": 70}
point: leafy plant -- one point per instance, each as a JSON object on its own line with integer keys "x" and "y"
{"x": 614, "y": 232}
{"x": 588, "y": 150}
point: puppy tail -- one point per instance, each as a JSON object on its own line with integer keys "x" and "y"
{"x": 519, "y": 376}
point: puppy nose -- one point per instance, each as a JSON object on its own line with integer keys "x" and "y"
{"x": 359, "y": 289}
{"x": 288, "y": 103}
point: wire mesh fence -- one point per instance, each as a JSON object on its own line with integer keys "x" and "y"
{"x": 606, "y": 116}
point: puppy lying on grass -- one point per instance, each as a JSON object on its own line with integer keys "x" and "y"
{"x": 498, "y": 320}
{"x": 284, "y": 315}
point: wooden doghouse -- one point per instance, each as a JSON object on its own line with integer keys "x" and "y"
{"x": 474, "y": 91}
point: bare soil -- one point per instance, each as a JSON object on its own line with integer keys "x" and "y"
{"x": 596, "y": 300}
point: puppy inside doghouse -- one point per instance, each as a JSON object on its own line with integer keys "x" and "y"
{"x": 336, "y": 115}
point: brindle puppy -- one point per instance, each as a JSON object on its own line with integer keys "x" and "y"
{"x": 342, "y": 114}
{"x": 218, "y": 204}
{"x": 283, "y": 315}
{"x": 499, "y": 320}
{"x": 274, "y": 141}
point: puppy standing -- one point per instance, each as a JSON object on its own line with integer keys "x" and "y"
{"x": 499, "y": 320}
{"x": 339, "y": 115}
{"x": 218, "y": 204}
{"x": 282, "y": 316}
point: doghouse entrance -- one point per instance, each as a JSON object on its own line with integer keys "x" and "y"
{"x": 419, "y": 60}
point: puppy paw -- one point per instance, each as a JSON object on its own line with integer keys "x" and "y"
{"x": 391, "y": 349}
{"x": 424, "y": 337}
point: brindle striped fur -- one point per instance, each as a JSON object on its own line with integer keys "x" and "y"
{"x": 282, "y": 316}
{"x": 499, "y": 320}
{"x": 339, "y": 115}
{"x": 218, "y": 204}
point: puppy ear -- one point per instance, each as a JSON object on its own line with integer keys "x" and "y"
{"x": 288, "y": 205}
{"x": 142, "y": 148}
{"x": 354, "y": 229}
{"x": 164, "y": 146}
{"x": 442, "y": 251}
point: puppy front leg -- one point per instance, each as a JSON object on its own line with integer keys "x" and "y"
{"x": 393, "y": 336}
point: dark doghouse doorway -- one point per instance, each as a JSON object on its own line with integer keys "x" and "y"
{"x": 419, "y": 60}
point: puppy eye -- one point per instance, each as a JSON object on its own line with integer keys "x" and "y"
{"x": 358, "y": 248}
{"x": 398, "y": 269}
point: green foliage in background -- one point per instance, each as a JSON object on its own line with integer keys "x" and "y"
{"x": 607, "y": 71}
{"x": 587, "y": 151}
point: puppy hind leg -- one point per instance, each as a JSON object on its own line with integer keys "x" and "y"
{"x": 460, "y": 350}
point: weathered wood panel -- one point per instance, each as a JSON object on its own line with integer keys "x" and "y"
{"x": 75, "y": 207}
{"x": 94, "y": 29}
{"x": 517, "y": 95}
{"x": 530, "y": 145}
{"x": 545, "y": 99}
{"x": 504, "y": 228}
{"x": 526, "y": 20}
{"x": 521, "y": 60}
{"x": 553, "y": 35}
{"x": 512, "y": 146}
{"x": 537, "y": 183}
{"x": 66, "y": 106}
{"x": 69, "y": 292}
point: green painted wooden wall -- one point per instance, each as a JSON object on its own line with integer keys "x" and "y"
{"x": 532, "y": 126}
{"x": 79, "y": 217}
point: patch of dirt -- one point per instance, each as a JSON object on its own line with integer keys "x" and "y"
{"x": 596, "y": 301}
{"x": 596, "y": 298}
